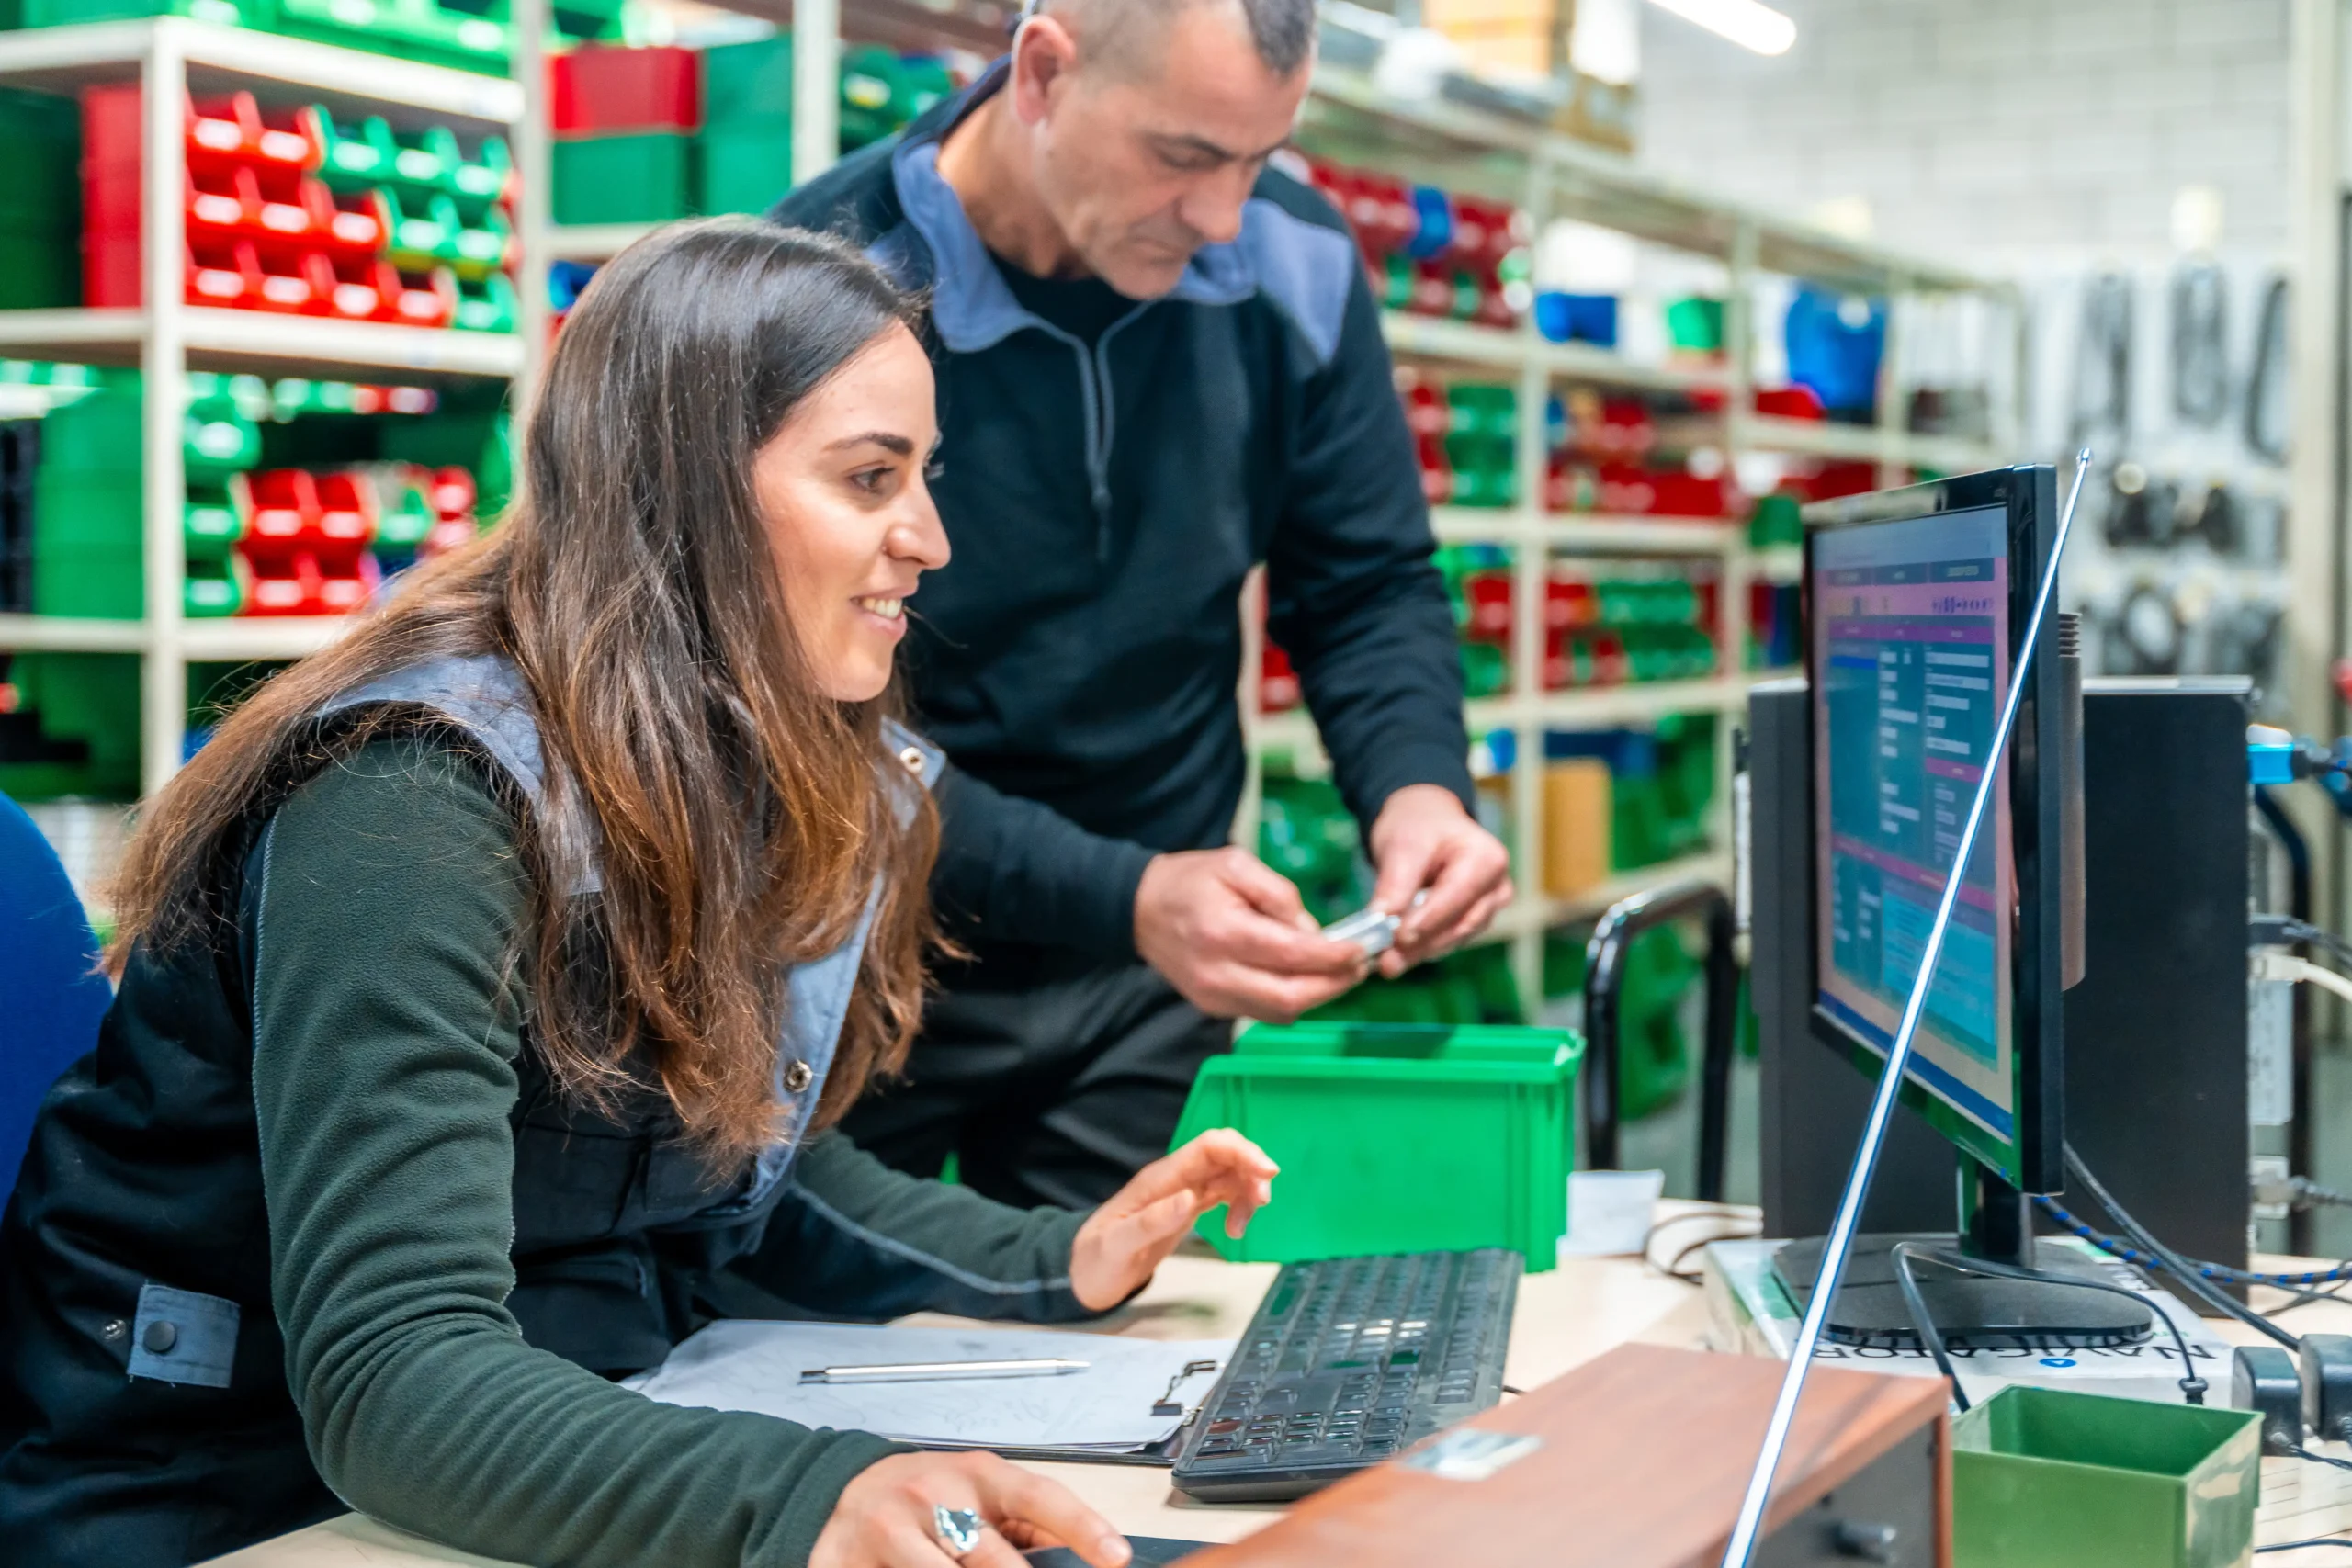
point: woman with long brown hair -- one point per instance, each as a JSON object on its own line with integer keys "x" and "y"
{"x": 489, "y": 987}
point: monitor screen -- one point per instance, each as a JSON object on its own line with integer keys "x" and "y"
{"x": 1911, "y": 658}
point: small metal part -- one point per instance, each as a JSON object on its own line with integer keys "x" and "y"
{"x": 1865, "y": 1542}
{"x": 798, "y": 1076}
{"x": 160, "y": 1337}
{"x": 1370, "y": 930}
{"x": 1168, "y": 1403}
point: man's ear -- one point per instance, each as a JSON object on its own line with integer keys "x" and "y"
{"x": 1044, "y": 56}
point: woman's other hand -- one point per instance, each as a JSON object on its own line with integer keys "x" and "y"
{"x": 885, "y": 1517}
{"x": 1125, "y": 1240}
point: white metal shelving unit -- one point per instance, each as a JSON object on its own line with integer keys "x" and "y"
{"x": 173, "y": 58}
{"x": 1550, "y": 176}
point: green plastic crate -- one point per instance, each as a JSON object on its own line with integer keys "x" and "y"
{"x": 39, "y": 271}
{"x": 210, "y": 529}
{"x": 89, "y": 697}
{"x": 210, "y": 591}
{"x": 100, "y": 434}
{"x": 744, "y": 168}
{"x": 1398, "y": 1140}
{"x": 641, "y": 178}
{"x": 107, "y": 581}
{"x": 1695, "y": 326}
{"x": 2046, "y": 1479}
{"x": 411, "y": 30}
{"x": 78, "y": 510}
{"x": 228, "y": 13}
{"x": 486, "y": 304}
{"x": 42, "y": 138}
{"x": 361, "y": 155}
{"x": 748, "y": 85}
{"x": 428, "y": 232}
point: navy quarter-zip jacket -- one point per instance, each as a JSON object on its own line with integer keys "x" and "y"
{"x": 1078, "y": 658}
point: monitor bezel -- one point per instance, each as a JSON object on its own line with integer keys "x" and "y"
{"x": 2034, "y": 1160}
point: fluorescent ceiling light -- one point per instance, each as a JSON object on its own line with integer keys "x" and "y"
{"x": 1748, "y": 23}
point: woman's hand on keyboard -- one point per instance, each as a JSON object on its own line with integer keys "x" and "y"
{"x": 1125, "y": 1240}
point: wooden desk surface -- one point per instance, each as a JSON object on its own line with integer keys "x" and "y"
{"x": 1566, "y": 1317}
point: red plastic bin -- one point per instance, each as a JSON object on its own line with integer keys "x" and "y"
{"x": 240, "y": 278}
{"x": 596, "y": 89}
{"x": 282, "y": 209}
{"x": 288, "y": 513}
{"x": 301, "y": 586}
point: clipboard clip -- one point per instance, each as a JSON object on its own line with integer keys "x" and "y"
{"x": 1168, "y": 1403}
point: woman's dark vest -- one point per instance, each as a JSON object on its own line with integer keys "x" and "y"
{"x": 141, "y": 1204}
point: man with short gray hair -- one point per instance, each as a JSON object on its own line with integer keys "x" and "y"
{"x": 1160, "y": 366}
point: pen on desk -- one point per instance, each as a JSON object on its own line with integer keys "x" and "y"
{"x": 930, "y": 1372}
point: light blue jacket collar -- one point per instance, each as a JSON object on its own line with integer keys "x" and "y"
{"x": 972, "y": 307}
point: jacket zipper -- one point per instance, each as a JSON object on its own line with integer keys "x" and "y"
{"x": 1095, "y": 398}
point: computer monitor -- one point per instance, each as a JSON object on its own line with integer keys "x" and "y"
{"x": 1918, "y": 598}
{"x": 1918, "y": 602}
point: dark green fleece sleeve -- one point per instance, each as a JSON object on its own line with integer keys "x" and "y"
{"x": 384, "y": 1043}
{"x": 853, "y": 1239}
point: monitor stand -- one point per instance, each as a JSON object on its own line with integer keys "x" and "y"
{"x": 1971, "y": 1313}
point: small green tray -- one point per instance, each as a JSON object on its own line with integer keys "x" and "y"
{"x": 1397, "y": 1138}
{"x": 2047, "y": 1479}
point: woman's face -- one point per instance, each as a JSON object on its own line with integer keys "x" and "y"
{"x": 849, "y": 515}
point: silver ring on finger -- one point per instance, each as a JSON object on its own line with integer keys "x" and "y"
{"x": 959, "y": 1529}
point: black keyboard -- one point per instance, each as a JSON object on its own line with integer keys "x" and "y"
{"x": 1349, "y": 1362}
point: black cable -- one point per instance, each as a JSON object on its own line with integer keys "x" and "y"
{"x": 2319, "y": 1459}
{"x": 2273, "y": 931}
{"x": 2220, "y": 1273}
{"x": 2192, "y": 1387}
{"x": 2182, "y": 1269}
{"x": 1929, "y": 1334}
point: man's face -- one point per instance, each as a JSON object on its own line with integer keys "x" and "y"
{"x": 1141, "y": 164}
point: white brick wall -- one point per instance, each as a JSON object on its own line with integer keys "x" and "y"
{"x": 2009, "y": 132}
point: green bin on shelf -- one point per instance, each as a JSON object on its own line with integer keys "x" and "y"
{"x": 2047, "y": 1479}
{"x": 411, "y": 30}
{"x": 359, "y": 156}
{"x": 748, "y": 85}
{"x": 98, "y": 434}
{"x": 640, "y": 177}
{"x": 228, "y": 13}
{"x": 486, "y": 304}
{"x": 39, "y": 271}
{"x": 1695, "y": 326}
{"x": 103, "y": 581}
{"x": 90, "y": 698}
{"x": 79, "y": 511}
{"x": 1397, "y": 1139}
{"x": 210, "y": 529}
{"x": 744, "y": 168}
{"x": 210, "y": 593}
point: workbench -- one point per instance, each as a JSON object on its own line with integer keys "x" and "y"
{"x": 1566, "y": 1317}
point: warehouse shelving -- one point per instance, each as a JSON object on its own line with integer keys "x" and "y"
{"x": 1551, "y": 176}
{"x": 174, "y": 58}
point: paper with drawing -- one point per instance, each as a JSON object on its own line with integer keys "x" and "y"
{"x": 753, "y": 1366}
